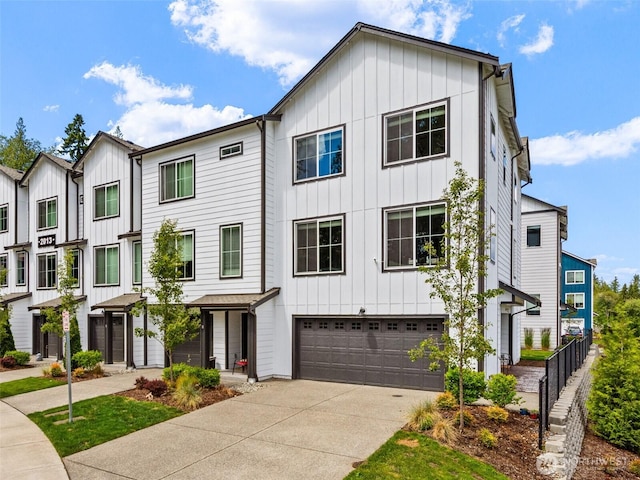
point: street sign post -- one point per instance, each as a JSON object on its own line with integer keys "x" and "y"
{"x": 67, "y": 337}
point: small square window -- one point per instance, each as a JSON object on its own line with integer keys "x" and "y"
{"x": 356, "y": 326}
{"x": 392, "y": 326}
{"x": 412, "y": 327}
{"x": 431, "y": 326}
{"x": 374, "y": 325}
{"x": 307, "y": 325}
{"x": 323, "y": 325}
{"x": 338, "y": 326}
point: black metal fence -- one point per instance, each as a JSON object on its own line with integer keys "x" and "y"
{"x": 558, "y": 368}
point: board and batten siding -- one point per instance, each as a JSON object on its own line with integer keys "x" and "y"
{"x": 371, "y": 77}
{"x": 541, "y": 272}
{"x": 227, "y": 191}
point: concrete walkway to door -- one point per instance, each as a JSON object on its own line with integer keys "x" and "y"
{"x": 288, "y": 429}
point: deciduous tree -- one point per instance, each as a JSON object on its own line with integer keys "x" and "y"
{"x": 19, "y": 151}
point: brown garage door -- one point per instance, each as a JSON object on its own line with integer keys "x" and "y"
{"x": 367, "y": 351}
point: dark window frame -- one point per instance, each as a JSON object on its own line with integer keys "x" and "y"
{"x": 231, "y": 146}
{"x": 24, "y": 269}
{"x": 162, "y": 195}
{"x": 240, "y": 226}
{"x": 4, "y": 218}
{"x": 318, "y": 221}
{"x": 4, "y": 258}
{"x": 95, "y": 203}
{"x": 48, "y": 272}
{"x": 134, "y": 273}
{"x": 95, "y": 266}
{"x": 316, "y": 134}
{"x": 46, "y": 201}
{"x": 532, "y": 236}
{"x": 191, "y": 278}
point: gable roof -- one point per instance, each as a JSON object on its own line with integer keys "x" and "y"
{"x": 592, "y": 261}
{"x": 45, "y": 157}
{"x": 103, "y": 136}
{"x": 383, "y": 32}
{"x": 12, "y": 173}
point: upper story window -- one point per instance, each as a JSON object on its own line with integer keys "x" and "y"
{"x": 75, "y": 267}
{"x": 106, "y": 266}
{"x": 47, "y": 213}
{"x": 533, "y": 236}
{"x": 414, "y": 236}
{"x": 416, "y": 134}
{"x": 4, "y": 218}
{"x": 573, "y": 277}
{"x": 186, "y": 270}
{"x": 4, "y": 267}
{"x": 21, "y": 268}
{"x": 176, "y": 179}
{"x": 231, "y": 150}
{"x": 319, "y": 246}
{"x": 106, "y": 201}
{"x": 319, "y": 155}
{"x": 493, "y": 141}
{"x": 137, "y": 262}
{"x": 47, "y": 266}
{"x": 575, "y": 299}
{"x": 493, "y": 241}
{"x": 231, "y": 251}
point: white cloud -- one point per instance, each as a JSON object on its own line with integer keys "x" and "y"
{"x": 509, "y": 23}
{"x": 575, "y": 147}
{"x": 289, "y": 36}
{"x": 51, "y": 108}
{"x": 149, "y": 119}
{"x": 542, "y": 43}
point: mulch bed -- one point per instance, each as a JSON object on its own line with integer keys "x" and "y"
{"x": 209, "y": 396}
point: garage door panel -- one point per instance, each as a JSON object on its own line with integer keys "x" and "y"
{"x": 371, "y": 352}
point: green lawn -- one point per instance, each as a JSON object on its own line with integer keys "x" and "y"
{"x": 30, "y": 384}
{"x": 540, "y": 355}
{"x": 105, "y": 418}
{"x": 427, "y": 460}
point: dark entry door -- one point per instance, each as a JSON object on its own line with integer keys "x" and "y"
{"x": 117, "y": 335}
{"x": 47, "y": 344}
{"x": 98, "y": 334}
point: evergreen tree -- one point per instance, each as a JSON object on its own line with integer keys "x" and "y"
{"x": 118, "y": 133}
{"x": 19, "y": 151}
{"x": 76, "y": 141}
{"x": 7, "y": 343}
{"x": 455, "y": 278}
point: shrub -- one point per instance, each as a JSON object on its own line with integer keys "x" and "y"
{"x": 187, "y": 393}
{"x": 8, "y": 361}
{"x": 545, "y": 338}
{"x": 446, "y": 401}
{"x": 55, "y": 369}
{"x": 634, "y": 467}
{"x": 7, "y": 343}
{"x": 473, "y": 384}
{"x": 156, "y": 387}
{"x": 444, "y": 431}
{"x": 78, "y": 372}
{"x": 207, "y": 377}
{"x": 88, "y": 359}
{"x": 501, "y": 390}
{"x": 497, "y": 414}
{"x": 22, "y": 358}
{"x": 469, "y": 419}
{"x": 141, "y": 382}
{"x": 528, "y": 338}
{"x": 423, "y": 416}
{"x": 487, "y": 439}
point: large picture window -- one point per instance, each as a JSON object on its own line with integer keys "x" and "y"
{"x": 21, "y": 268}
{"x": 176, "y": 179}
{"x": 414, "y": 236}
{"x": 415, "y": 134}
{"x": 319, "y": 246}
{"x": 137, "y": 262}
{"x": 573, "y": 277}
{"x": 106, "y": 265}
{"x": 47, "y": 213}
{"x": 575, "y": 299}
{"x": 231, "y": 251}
{"x": 319, "y": 155}
{"x": 186, "y": 270}
{"x": 4, "y": 218}
{"x": 106, "y": 201}
{"x": 533, "y": 236}
{"x": 47, "y": 266}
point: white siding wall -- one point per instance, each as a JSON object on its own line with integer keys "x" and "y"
{"x": 371, "y": 77}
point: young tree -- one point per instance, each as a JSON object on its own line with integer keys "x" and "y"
{"x": 19, "y": 151}
{"x": 118, "y": 133}
{"x": 66, "y": 284}
{"x": 76, "y": 141}
{"x": 455, "y": 281}
{"x": 174, "y": 322}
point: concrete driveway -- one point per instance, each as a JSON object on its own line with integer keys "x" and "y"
{"x": 285, "y": 429}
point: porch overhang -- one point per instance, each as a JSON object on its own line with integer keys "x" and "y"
{"x": 55, "y": 303}
{"x": 13, "y": 297}
{"x": 237, "y": 301}
{"x": 121, "y": 303}
{"x": 518, "y": 297}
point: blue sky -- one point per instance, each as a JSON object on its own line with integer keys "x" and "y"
{"x": 163, "y": 70}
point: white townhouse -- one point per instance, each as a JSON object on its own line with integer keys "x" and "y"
{"x": 110, "y": 242}
{"x": 14, "y": 254}
{"x": 544, "y": 228}
{"x": 52, "y": 222}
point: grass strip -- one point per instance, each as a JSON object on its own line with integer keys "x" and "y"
{"x": 412, "y": 456}
{"x": 105, "y": 418}
{"x": 25, "y": 385}
{"x": 537, "y": 355}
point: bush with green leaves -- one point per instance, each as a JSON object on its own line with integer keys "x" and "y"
{"x": 22, "y": 358}
{"x": 497, "y": 414}
{"x": 486, "y": 438}
{"x": 473, "y": 384}
{"x": 446, "y": 401}
{"x": 207, "y": 377}
{"x": 614, "y": 402}
{"x": 88, "y": 359}
{"x": 501, "y": 390}
{"x": 528, "y": 338}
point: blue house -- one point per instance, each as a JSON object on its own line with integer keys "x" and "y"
{"x": 577, "y": 291}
